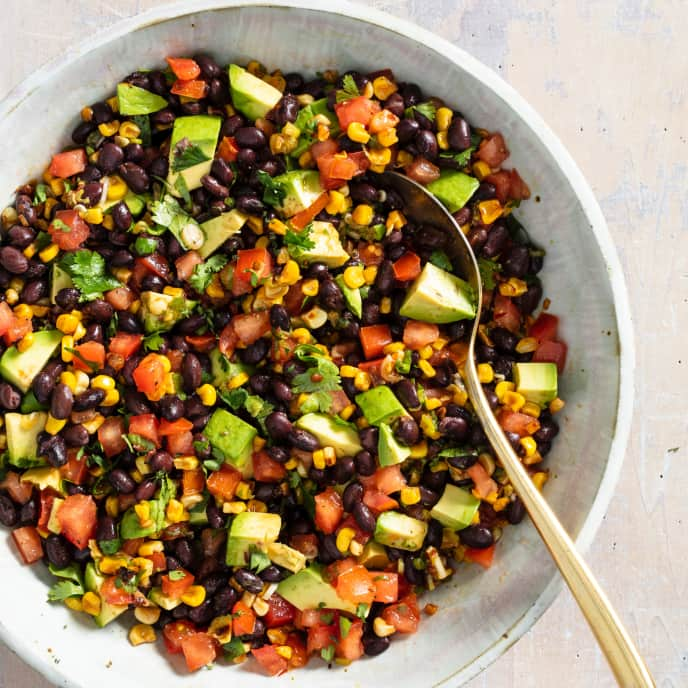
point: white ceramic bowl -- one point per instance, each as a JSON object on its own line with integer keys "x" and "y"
{"x": 481, "y": 613}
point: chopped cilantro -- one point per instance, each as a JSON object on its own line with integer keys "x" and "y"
{"x": 349, "y": 89}
{"x": 93, "y": 365}
{"x": 426, "y": 109}
{"x": 143, "y": 123}
{"x": 326, "y": 618}
{"x": 64, "y": 589}
{"x": 87, "y": 270}
{"x": 110, "y": 547}
{"x": 234, "y": 648}
{"x": 441, "y": 260}
{"x": 40, "y": 194}
{"x": 403, "y": 366}
{"x": 203, "y": 272}
{"x": 322, "y": 374}
{"x": 187, "y": 155}
{"x": 258, "y": 561}
{"x": 137, "y": 443}
{"x": 299, "y": 239}
{"x": 58, "y": 224}
{"x": 176, "y": 575}
{"x": 145, "y": 246}
{"x": 153, "y": 342}
{"x": 461, "y": 159}
{"x": 327, "y": 653}
{"x": 488, "y": 269}
{"x": 274, "y": 191}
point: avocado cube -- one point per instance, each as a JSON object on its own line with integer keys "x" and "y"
{"x": 536, "y": 381}
{"x": 331, "y": 433}
{"x": 218, "y": 229}
{"x": 380, "y": 405}
{"x": 286, "y": 557}
{"x": 54, "y": 525}
{"x": 390, "y": 452}
{"x": 158, "y": 597}
{"x": 59, "y": 279}
{"x": 395, "y": 529}
{"x": 161, "y": 312}
{"x": 456, "y": 508}
{"x": 301, "y": 189}
{"x": 252, "y": 96}
{"x": 308, "y": 590}
{"x": 223, "y": 370}
{"x": 437, "y": 296}
{"x": 250, "y": 529}
{"x": 130, "y": 528}
{"x": 201, "y": 131}
{"x": 20, "y": 368}
{"x": 374, "y": 556}
{"x": 453, "y": 189}
{"x": 43, "y": 478}
{"x": 133, "y": 100}
{"x": 352, "y": 296}
{"x": 22, "y": 431}
{"x": 231, "y": 436}
{"x": 327, "y": 248}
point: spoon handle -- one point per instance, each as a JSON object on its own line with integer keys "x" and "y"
{"x": 623, "y": 657}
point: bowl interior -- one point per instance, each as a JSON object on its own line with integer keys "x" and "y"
{"x": 480, "y": 612}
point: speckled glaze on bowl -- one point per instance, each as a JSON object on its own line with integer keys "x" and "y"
{"x": 481, "y": 613}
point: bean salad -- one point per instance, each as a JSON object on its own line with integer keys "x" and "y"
{"x": 233, "y": 411}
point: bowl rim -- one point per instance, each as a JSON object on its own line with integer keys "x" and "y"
{"x": 431, "y": 41}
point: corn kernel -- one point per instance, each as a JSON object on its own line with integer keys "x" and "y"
{"x": 526, "y": 345}
{"x": 379, "y": 157}
{"x": 481, "y": 169}
{"x": 420, "y": 450}
{"x": 319, "y": 459}
{"x": 310, "y": 287}
{"x": 94, "y": 216}
{"x": 30, "y": 250}
{"x": 238, "y": 380}
{"x": 531, "y": 409}
{"x": 306, "y": 161}
{"x": 347, "y": 412}
{"x": 383, "y": 87}
{"x": 234, "y": 507}
{"x": 385, "y": 305}
{"x": 556, "y": 405}
{"x": 490, "y": 210}
{"x": 93, "y": 424}
{"x": 79, "y": 332}
{"x": 150, "y": 547}
{"x": 256, "y": 505}
{"x": 284, "y": 651}
{"x": 485, "y": 373}
{"x": 393, "y": 348}
{"x": 221, "y": 629}
{"x": 53, "y": 425}
{"x": 111, "y": 398}
{"x": 404, "y": 158}
{"x": 143, "y": 511}
{"x": 87, "y": 114}
{"x": 427, "y": 425}
{"x": 57, "y": 186}
{"x": 357, "y": 132}
{"x": 74, "y": 603}
{"x": 348, "y": 371}
{"x": 147, "y": 615}
{"x": 244, "y": 491}
{"x": 337, "y": 203}
{"x": 68, "y": 378}
{"x": 528, "y": 443}
{"x": 291, "y": 273}
{"x": 427, "y": 369}
{"x": 11, "y": 296}
{"x": 370, "y": 274}
{"x": 302, "y": 335}
{"x": 388, "y": 137}
{"x": 443, "y": 118}
{"x": 91, "y": 603}
{"x": 291, "y": 464}
{"x": 442, "y": 140}
{"x": 141, "y": 634}
{"x": 175, "y": 512}
{"x": 186, "y": 463}
{"x": 432, "y": 404}
{"x": 362, "y": 214}
{"x": 513, "y": 400}
{"x": 502, "y": 387}
{"x": 207, "y": 394}
{"x": 109, "y": 128}
{"x": 353, "y": 276}
{"x": 129, "y": 130}
{"x": 104, "y": 382}
{"x": 117, "y": 188}
{"x": 24, "y": 311}
{"x": 25, "y": 343}
{"x": 194, "y": 596}
{"x": 344, "y": 538}
{"x": 514, "y": 287}
{"x": 382, "y": 628}
{"x": 410, "y": 495}
{"x": 539, "y": 479}
{"x": 362, "y": 381}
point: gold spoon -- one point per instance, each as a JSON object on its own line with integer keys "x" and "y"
{"x": 623, "y": 657}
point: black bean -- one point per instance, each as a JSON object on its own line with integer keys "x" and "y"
{"x": 171, "y": 407}
{"x": 250, "y": 137}
{"x": 75, "y": 436}
{"x": 13, "y": 260}
{"x": 110, "y": 157}
{"x": 318, "y": 271}
{"x": 328, "y": 552}
{"x": 231, "y": 124}
{"x": 106, "y": 530}
{"x": 10, "y": 399}
{"x": 395, "y": 104}
{"x": 302, "y": 439}
{"x": 135, "y": 176}
{"x": 365, "y": 463}
{"x": 374, "y": 645}
{"x": 202, "y": 614}
{"x": 476, "y": 536}
{"x": 330, "y": 295}
{"x": 20, "y": 236}
{"x": 159, "y": 167}
{"x": 407, "y": 431}
{"x": 134, "y": 152}
{"x": 91, "y": 174}
{"x": 435, "y": 480}
{"x": 153, "y": 283}
{"x": 81, "y": 132}
{"x": 503, "y": 339}
{"x": 222, "y": 171}
{"x": 89, "y": 399}
{"x": 426, "y": 142}
{"x": 549, "y": 429}
{"x": 192, "y": 373}
{"x": 343, "y": 470}
{"x": 407, "y": 394}
{"x": 53, "y": 448}
{"x": 411, "y": 573}
{"x": 384, "y": 282}
{"x": 364, "y": 517}
{"x": 127, "y": 322}
{"x": 99, "y": 310}
{"x": 161, "y": 461}
{"x": 194, "y": 406}
{"x": 224, "y": 600}
{"x": 529, "y": 301}
{"x": 35, "y": 269}
{"x": 456, "y": 428}
{"x": 92, "y": 191}
{"x": 57, "y": 552}
{"x": 199, "y": 422}
{"x": 516, "y": 262}
{"x": 214, "y": 187}
{"x": 352, "y": 495}
{"x": 145, "y": 490}
{"x": 434, "y": 536}
{"x": 121, "y": 216}
{"x": 407, "y": 129}
{"x": 209, "y": 67}
{"x": 94, "y": 333}
{"x": 122, "y": 481}
{"x": 515, "y": 511}
{"x": 191, "y": 324}
{"x": 463, "y": 461}
{"x": 497, "y": 239}
{"x": 67, "y": 298}
{"x": 459, "y": 134}
{"x": 431, "y": 237}
{"x": 485, "y": 353}
{"x": 250, "y": 204}
{"x": 279, "y": 318}
{"x": 279, "y": 426}
{"x": 102, "y": 113}
{"x": 181, "y": 612}
{"x": 28, "y": 513}
{"x": 61, "y": 401}
{"x": 485, "y": 191}
{"x": 8, "y": 512}
{"x": 428, "y": 498}
{"x": 370, "y": 313}
{"x": 25, "y": 209}
{"x": 255, "y": 353}
{"x": 477, "y": 238}
{"x": 249, "y": 580}
{"x": 369, "y": 438}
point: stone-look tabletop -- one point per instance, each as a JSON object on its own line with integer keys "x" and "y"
{"x": 611, "y": 78}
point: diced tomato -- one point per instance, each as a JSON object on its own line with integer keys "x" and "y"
{"x": 493, "y": 150}
{"x": 184, "y": 67}
{"x": 407, "y": 267}
{"x": 299, "y": 653}
{"x": 223, "y": 483}
{"x": 78, "y": 517}
{"x": 7, "y": 317}
{"x": 306, "y": 544}
{"x": 360, "y": 535}
{"x": 157, "y": 264}
{"x": 17, "y": 329}
{"x": 273, "y": 663}
{"x": 520, "y": 423}
{"x": 502, "y": 182}
{"x": 309, "y": 618}
{"x": 267, "y": 470}
{"x": 250, "y": 327}
{"x": 381, "y": 121}
{"x": 552, "y": 352}
{"x": 130, "y": 547}
{"x": 47, "y": 499}
{"x": 228, "y": 149}
{"x": 295, "y": 300}
{"x": 349, "y": 646}
{"x": 176, "y": 583}
{"x": 146, "y": 426}
{"x": 28, "y": 542}
{"x": 362, "y": 161}
{"x": 125, "y": 344}
{"x": 68, "y": 163}
{"x": 181, "y": 443}
{"x": 358, "y": 109}
{"x": 174, "y": 427}
{"x": 386, "y": 586}
{"x": 336, "y": 169}
{"x": 193, "y": 481}
{"x": 374, "y": 338}
{"x": 404, "y": 615}
{"x": 328, "y": 511}
{"x": 484, "y": 557}
{"x": 110, "y": 436}
{"x": 18, "y": 491}
{"x": 176, "y": 631}
{"x": 324, "y": 148}
{"x": 75, "y": 470}
{"x": 370, "y": 253}
{"x": 389, "y": 479}
{"x": 379, "y": 501}
{"x": 150, "y": 375}
{"x": 518, "y": 190}
{"x": 191, "y": 88}
{"x": 68, "y": 230}
{"x": 201, "y": 342}
{"x": 506, "y": 313}
{"x": 280, "y": 612}
{"x": 356, "y": 585}
{"x": 307, "y": 215}
{"x": 89, "y": 356}
{"x": 419, "y": 334}
{"x": 116, "y": 596}
{"x": 185, "y": 264}
{"x": 373, "y": 368}
{"x": 484, "y": 485}
{"x": 253, "y": 265}
{"x": 120, "y": 298}
{"x": 244, "y": 619}
{"x": 339, "y": 567}
{"x": 320, "y": 637}
{"x": 200, "y": 649}
{"x": 545, "y": 328}
{"x": 159, "y": 561}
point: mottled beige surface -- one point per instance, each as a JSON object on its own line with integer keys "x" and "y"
{"x": 611, "y": 79}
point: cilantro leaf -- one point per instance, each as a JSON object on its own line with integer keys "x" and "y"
{"x": 58, "y": 224}
{"x": 404, "y": 365}
{"x": 327, "y": 653}
{"x": 461, "y": 159}
{"x": 143, "y": 123}
{"x": 153, "y": 342}
{"x": 137, "y": 443}
{"x": 170, "y": 215}
{"x": 258, "y": 561}
{"x": 299, "y": 240}
{"x": 168, "y": 490}
{"x": 441, "y": 260}
{"x": 87, "y": 270}
{"x": 187, "y": 154}
{"x": 274, "y": 191}
{"x": 203, "y": 272}
{"x": 110, "y": 547}
{"x": 176, "y": 575}
{"x": 322, "y": 374}
{"x": 428, "y": 110}
{"x": 63, "y": 590}
{"x": 234, "y": 398}
{"x": 145, "y": 246}
{"x": 40, "y": 193}
{"x": 488, "y": 268}
{"x": 234, "y": 648}
{"x": 349, "y": 89}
